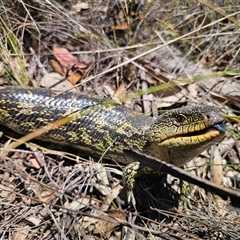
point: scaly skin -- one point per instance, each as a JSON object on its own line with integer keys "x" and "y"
{"x": 176, "y": 136}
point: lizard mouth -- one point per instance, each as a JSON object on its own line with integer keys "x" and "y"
{"x": 216, "y": 132}
{"x": 217, "y": 128}
{"x": 199, "y": 136}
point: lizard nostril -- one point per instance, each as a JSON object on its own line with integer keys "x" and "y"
{"x": 207, "y": 116}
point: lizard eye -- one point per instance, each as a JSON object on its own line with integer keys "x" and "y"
{"x": 181, "y": 118}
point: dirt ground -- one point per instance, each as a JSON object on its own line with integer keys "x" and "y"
{"x": 149, "y": 56}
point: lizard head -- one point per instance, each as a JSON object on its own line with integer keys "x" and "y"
{"x": 177, "y": 136}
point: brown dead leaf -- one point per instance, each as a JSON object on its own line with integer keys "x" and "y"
{"x": 7, "y": 191}
{"x": 115, "y": 191}
{"x": 21, "y": 233}
{"x": 44, "y": 193}
{"x": 105, "y": 226}
{"x": 57, "y": 67}
{"x": 122, "y": 26}
{"x": 105, "y": 222}
{"x": 129, "y": 71}
{"x": 79, "y": 6}
{"x": 233, "y": 99}
{"x": 55, "y": 79}
{"x": 121, "y": 91}
{"x": 34, "y": 162}
{"x": 166, "y": 102}
{"x": 208, "y": 61}
{"x": 80, "y": 203}
{"x": 86, "y": 221}
{"x": 66, "y": 59}
{"x": 47, "y": 195}
{"x": 72, "y": 76}
{"x": 226, "y": 92}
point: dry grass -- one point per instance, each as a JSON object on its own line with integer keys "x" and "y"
{"x": 180, "y": 52}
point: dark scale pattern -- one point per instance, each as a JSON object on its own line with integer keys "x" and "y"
{"x": 176, "y": 136}
{"x": 101, "y": 125}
